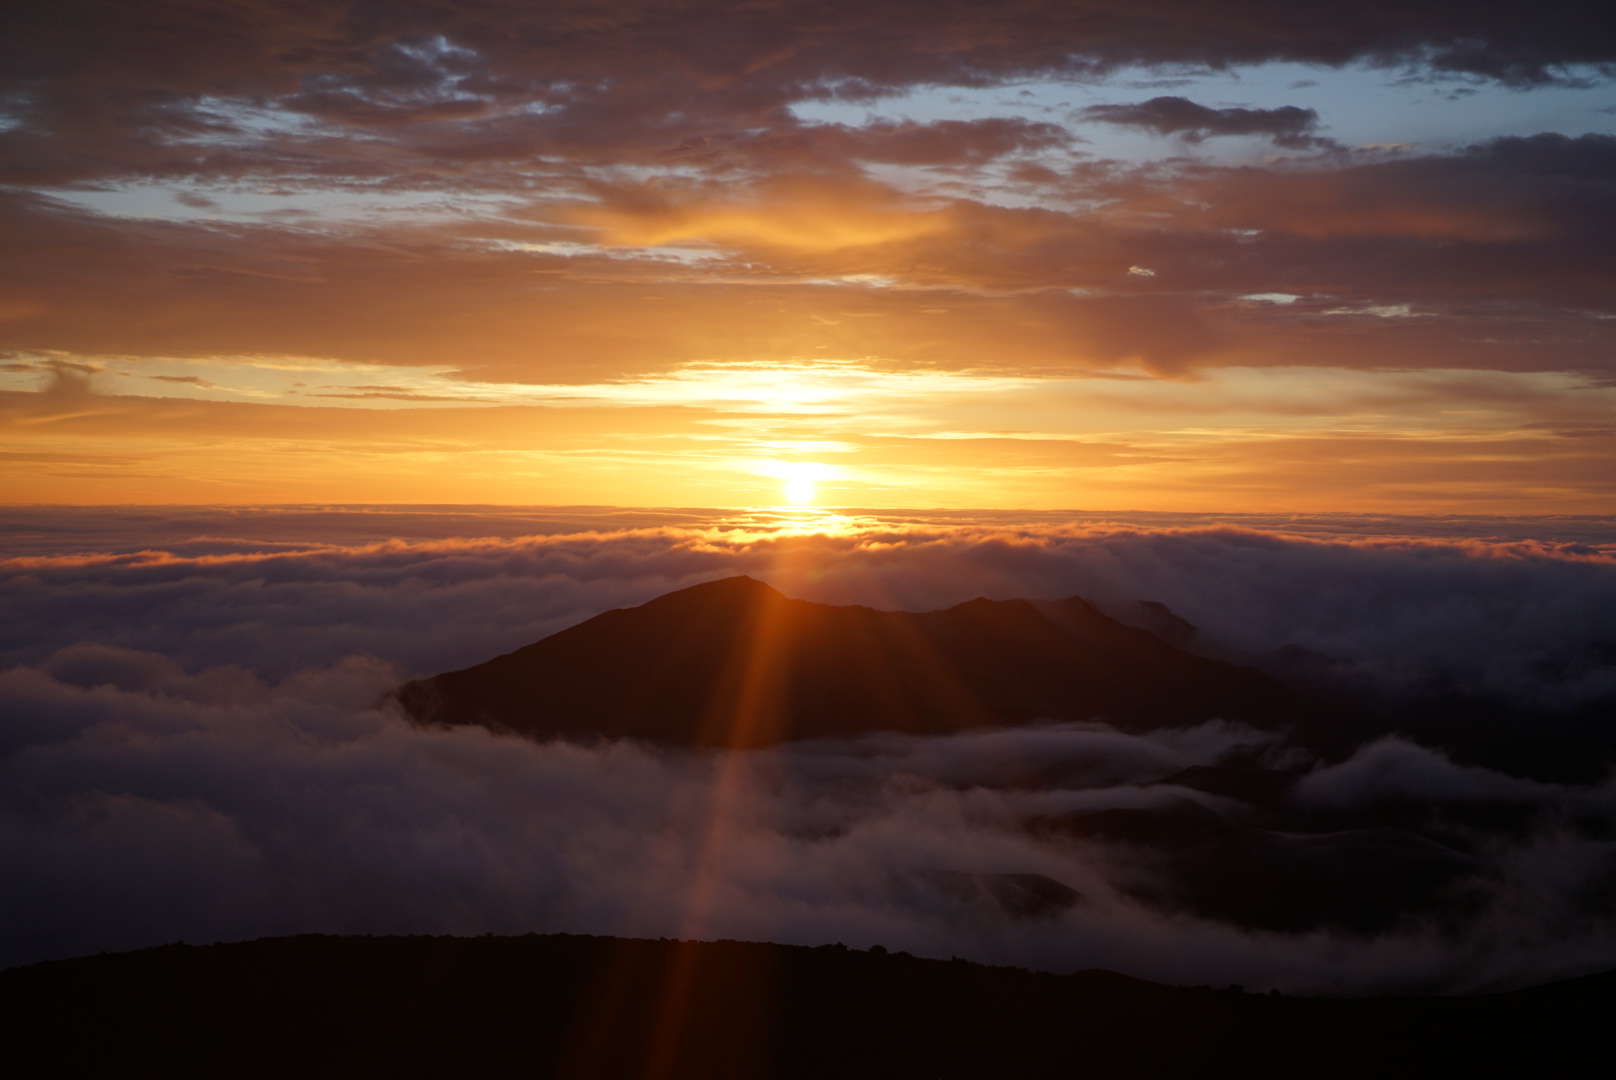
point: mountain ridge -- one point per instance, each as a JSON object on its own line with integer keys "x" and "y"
{"x": 577, "y": 1007}
{"x": 735, "y": 663}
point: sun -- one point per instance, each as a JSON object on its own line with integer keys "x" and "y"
{"x": 799, "y": 480}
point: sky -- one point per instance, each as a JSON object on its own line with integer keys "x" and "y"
{"x": 1153, "y": 255}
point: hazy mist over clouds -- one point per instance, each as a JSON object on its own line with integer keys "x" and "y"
{"x": 191, "y": 748}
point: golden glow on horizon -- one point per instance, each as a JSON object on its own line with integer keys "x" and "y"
{"x": 823, "y": 387}
{"x": 796, "y": 434}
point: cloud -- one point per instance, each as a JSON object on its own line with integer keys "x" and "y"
{"x": 785, "y": 146}
{"x": 1497, "y": 618}
{"x": 191, "y": 748}
{"x": 66, "y": 383}
{"x": 444, "y": 95}
{"x": 1499, "y": 247}
{"x": 1395, "y": 769}
{"x": 802, "y": 212}
{"x": 134, "y": 816}
{"x": 190, "y": 380}
{"x": 1504, "y": 191}
{"x": 1289, "y": 126}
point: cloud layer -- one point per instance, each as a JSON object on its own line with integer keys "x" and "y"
{"x": 145, "y": 815}
{"x": 191, "y": 751}
{"x": 1485, "y": 613}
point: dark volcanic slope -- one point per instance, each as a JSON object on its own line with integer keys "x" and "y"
{"x": 735, "y": 663}
{"x": 584, "y": 1008}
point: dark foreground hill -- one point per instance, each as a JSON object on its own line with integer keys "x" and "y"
{"x": 735, "y": 663}
{"x": 586, "y": 1008}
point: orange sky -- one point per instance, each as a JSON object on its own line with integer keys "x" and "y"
{"x": 681, "y": 255}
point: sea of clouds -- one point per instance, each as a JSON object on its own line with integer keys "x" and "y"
{"x": 193, "y": 745}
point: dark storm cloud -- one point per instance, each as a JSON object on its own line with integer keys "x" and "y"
{"x": 1289, "y": 125}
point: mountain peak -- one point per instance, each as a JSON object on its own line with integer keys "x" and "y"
{"x": 737, "y": 584}
{"x": 736, "y": 663}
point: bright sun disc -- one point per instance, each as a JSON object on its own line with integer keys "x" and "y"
{"x": 800, "y": 489}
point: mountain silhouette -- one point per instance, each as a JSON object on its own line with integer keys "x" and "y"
{"x": 561, "y": 1007}
{"x": 734, "y": 663}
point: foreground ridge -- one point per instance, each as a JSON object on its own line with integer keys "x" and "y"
{"x": 580, "y": 1007}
